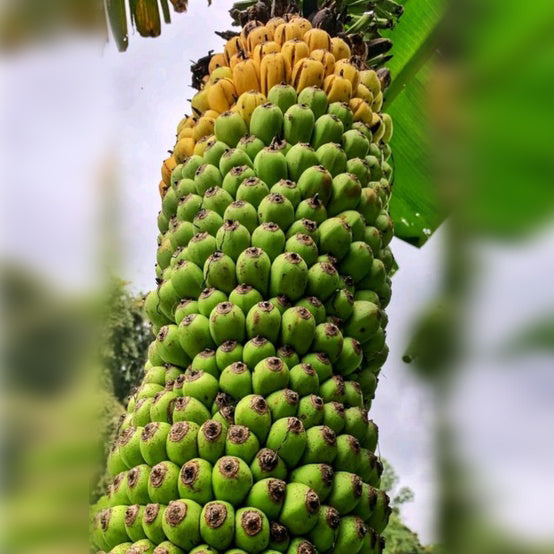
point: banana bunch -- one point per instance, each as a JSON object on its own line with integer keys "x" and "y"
{"x": 262, "y": 56}
{"x": 249, "y": 432}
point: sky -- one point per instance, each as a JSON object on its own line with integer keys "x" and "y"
{"x": 76, "y": 107}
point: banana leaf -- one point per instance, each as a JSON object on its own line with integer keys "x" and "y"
{"x": 165, "y": 11}
{"x": 117, "y": 16}
{"x": 146, "y": 17}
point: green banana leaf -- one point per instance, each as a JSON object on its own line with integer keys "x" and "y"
{"x": 506, "y": 174}
{"x": 165, "y": 10}
{"x": 415, "y": 206}
{"x": 117, "y": 16}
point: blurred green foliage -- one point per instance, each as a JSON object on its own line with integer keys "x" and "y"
{"x": 45, "y": 333}
{"x": 125, "y": 340}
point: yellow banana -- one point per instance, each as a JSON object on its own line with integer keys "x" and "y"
{"x": 232, "y": 46}
{"x": 186, "y": 133}
{"x": 202, "y": 144}
{"x": 303, "y": 24}
{"x": 248, "y": 102}
{"x": 337, "y": 89}
{"x": 272, "y": 24}
{"x": 199, "y": 102}
{"x": 287, "y": 31}
{"x": 245, "y": 76}
{"x": 318, "y": 38}
{"x": 186, "y": 123}
{"x": 307, "y": 73}
{"x": 294, "y": 50}
{"x": 240, "y": 56}
{"x": 211, "y": 113}
{"x": 377, "y": 128}
{"x": 163, "y": 188}
{"x": 217, "y": 60}
{"x": 340, "y": 49}
{"x": 377, "y": 102}
{"x": 361, "y": 110}
{"x": 262, "y": 50}
{"x": 273, "y": 70}
{"x": 346, "y": 69}
{"x": 203, "y": 128}
{"x": 223, "y": 72}
{"x": 183, "y": 149}
{"x": 387, "y": 123}
{"x": 248, "y": 28}
{"x": 368, "y": 77}
{"x": 168, "y": 165}
{"x": 259, "y": 35}
{"x": 326, "y": 58}
{"x": 222, "y": 95}
{"x": 364, "y": 93}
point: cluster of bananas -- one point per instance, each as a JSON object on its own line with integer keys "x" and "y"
{"x": 249, "y": 432}
{"x": 262, "y": 56}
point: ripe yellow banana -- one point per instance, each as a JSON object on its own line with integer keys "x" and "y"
{"x": 202, "y": 144}
{"x": 262, "y": 50}
{"x": 307, "y": 73}
{"x": 248, "y": 102}
{"x": 318, "y": 39}
{"x": 259, "y": 35}
{"x": 340, "y": 49}
{"x": 232, "y": 46}
{"x": 326, "y": 58}
{"x": 168, "y": 165}
{"x": 222, "y": 95}
{"x": 287, "y": 31}
{"x": 377, "y": 102}
{"x": 272, "y": 24}
{"x": 369, "y": 78}
{"x": 377, "y": 128}
{"x": 361, "y": 111}
{"x": 338, "y": 89}
{"x": 204, "y": 127}
{"x": 186, "y": 123}
{"x": 183, "y": 149}
{"x": 273, "y": 70}
{"x": 240, "y": 56}
{"x": 217, "y": 60}
{"x": 223, "y": 72}
{"x": 186, "y": 132}
{"x": 248, "y": 28}
{"x": 245, "y": 76}
{"x": 364, "y": 93}
{"x": 199, "y": 102}
{"x": 346, "y": 69}
{"x": 294, "y": 50}
{"x": 302, "y": 23}
{"x": 163, "y": 188}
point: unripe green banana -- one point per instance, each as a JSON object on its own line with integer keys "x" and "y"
{"x": 315, "y": 99}
{"x": 298, "y": 124}
{"x": 230, "y": 128}
{"x": 332, "y": 157}
{"x": 270, "y": 165}
{"x": 283, "y": 96}
{"x": 266, "y": 122}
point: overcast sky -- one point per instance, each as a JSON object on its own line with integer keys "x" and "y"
{"x": 69, "y": 109}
